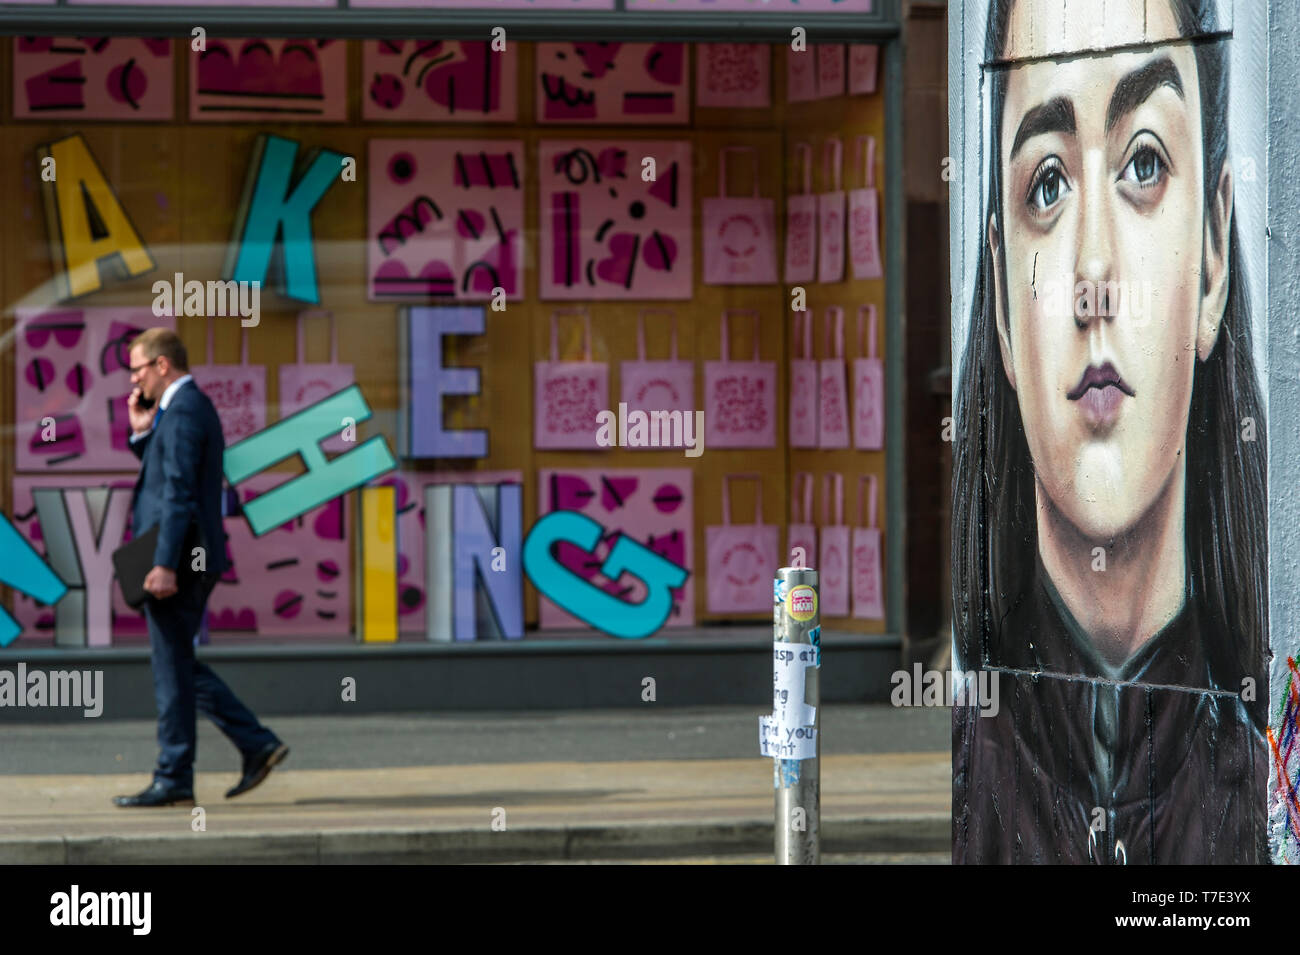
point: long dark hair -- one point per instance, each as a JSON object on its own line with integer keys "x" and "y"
{"x": 994, "y": 507}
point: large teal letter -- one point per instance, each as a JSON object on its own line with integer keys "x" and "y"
{"x": 324, "y": 480}
{"x": 22, "y": 568}
{"x": 588, "y": 602}
{"x": 268, "y": 208}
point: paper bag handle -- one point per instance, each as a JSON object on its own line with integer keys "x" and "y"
{"x": 833, "y": 163}
{"x": 833, "y": 489}
{"x": 726, "y": 336}
{"x": 722, "y": 166}
{"x": 835, "y": 350}
{"x": 586, "y": 334}
{"x": 640, "y": 330}
{"x": 870, "y": 481}
{"x": 726, "y": 496}
{"x": 870, "y": 344}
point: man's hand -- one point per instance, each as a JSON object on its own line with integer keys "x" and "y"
{"x": 141, "y": 418}
{"x": 161, "y": 582}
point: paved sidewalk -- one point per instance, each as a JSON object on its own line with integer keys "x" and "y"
{"x": 695, "y": 805}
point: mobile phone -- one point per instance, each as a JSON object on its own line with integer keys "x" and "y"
{"x": 143, "y": 402}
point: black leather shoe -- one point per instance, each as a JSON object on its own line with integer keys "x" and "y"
{"x": 158, "y": 794}
{"x": 258, "y": 767}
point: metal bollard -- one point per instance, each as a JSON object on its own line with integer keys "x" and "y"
{"x": 791, "y": 735}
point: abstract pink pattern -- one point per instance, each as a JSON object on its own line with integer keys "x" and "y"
{"x": 292, "y": 581}
{"x": 606, "y": 233}
{"x": 733, "y": 75}
{"x": 71, "y": 384}
{"x": 653, "y": 506}
{"x": 439, "y": 80}
{"x": 93, "y": 78}
{"x": 630, "y": 83}
{"x": 269, "y": 80}
{"x": 446, "y": 219}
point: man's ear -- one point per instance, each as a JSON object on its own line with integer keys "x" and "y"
{"x": 999, "y": 300}
{"x": 1214, "y": 266}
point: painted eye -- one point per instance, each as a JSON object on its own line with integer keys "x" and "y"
{"x": 1048, "y": 188}
{"x": 1146, "y": 168}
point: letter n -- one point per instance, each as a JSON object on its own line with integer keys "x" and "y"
{"x": 466, "y": 598}
{"x": 323, "y": 479}
{"x": 86, "y": 223}
{"x": 270, "y": 211}
{"x": 23, "y": 569}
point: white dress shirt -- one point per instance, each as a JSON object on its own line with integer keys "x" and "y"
{"x": 163, "y": 403}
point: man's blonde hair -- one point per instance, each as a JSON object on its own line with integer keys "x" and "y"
{"x": 163, "y": 343}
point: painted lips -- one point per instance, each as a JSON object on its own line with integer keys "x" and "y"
{"x": 1099, "y": 393}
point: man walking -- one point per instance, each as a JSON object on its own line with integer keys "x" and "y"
{"x": 176, "y": 434}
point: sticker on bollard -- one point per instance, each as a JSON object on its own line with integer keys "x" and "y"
{"x": 789, "y": 732}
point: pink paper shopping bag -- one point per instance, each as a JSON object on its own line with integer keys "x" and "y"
{"x": 800, "y": 75}
{"x": 863, "y": 59}
{"x": 833, "y": 558}
{"x": 832, "y": 390}
{"x": 830, "y": 215}
{"x": 739, "y": 232}
{"x": 237, "y": 391}
{"x": 803, "y": 386}
{"x": 740, "y": 396}
{"x": 743, "y": 558}
{"x": 568, "y": 394}
{"x": 868, "y": 592}
{"x": 733, "y": 75}
{"x": 651, "y": 386}
{"x": 303, "y": 384}
{"x": 868, "y": 390}
{"x": 801, "y": 224}
{"x": 864, "y": 217}
{"x": 830, "y": 70}
{"x": 802, "y": 534}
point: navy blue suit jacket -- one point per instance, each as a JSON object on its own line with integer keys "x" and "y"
{"x": 180, "y": 481}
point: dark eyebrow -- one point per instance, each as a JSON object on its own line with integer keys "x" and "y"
{"x": 1134, "y": 89}
{"x": 1054, "y": 116}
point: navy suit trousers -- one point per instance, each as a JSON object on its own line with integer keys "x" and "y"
{"x": 182, "y": 685}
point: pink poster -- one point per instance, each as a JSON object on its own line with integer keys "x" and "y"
{"x": 863, "y": 63}
{"x": 733, "y": 75}
{"x": 95, "y": 78}
{"x": 292, "y": 581}
{"x": 653, "y": 506}
{"x": 198, "y": 3}
{"x": 411, "y": 548}
{"x": 747, "y": 6}
{"x": 615, "y": 219}
{"x": 269, "y": 81}
{"x": 446, "y": 218}
{"x": 485, "y": 4}
{"x": 237, "y": 390}
{"x": 640, "y": 84}
{"x": 446, "y": 81}
{"x": 71, "y": 383}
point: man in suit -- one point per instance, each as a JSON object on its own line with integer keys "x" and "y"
{"x": 176, "y": 434}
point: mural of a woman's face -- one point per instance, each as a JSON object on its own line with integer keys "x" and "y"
{"x": 1114, "y": 283}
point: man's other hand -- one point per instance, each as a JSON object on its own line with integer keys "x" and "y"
{"x": 161, "y": 582}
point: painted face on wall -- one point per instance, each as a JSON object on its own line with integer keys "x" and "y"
{"x": 1108, "y": 283}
